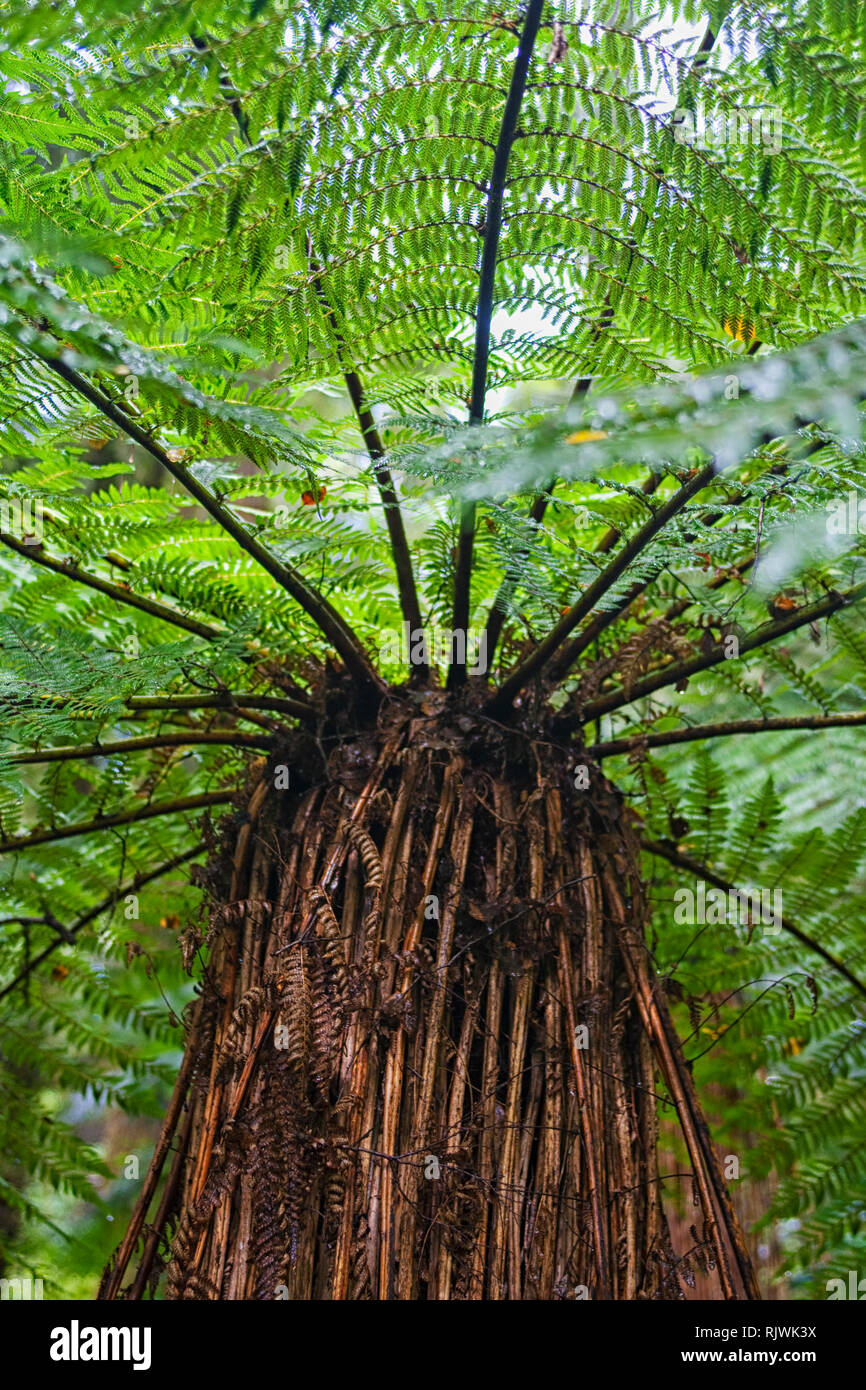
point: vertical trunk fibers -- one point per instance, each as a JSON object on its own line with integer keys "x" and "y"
{"x": 426, "y": 1055}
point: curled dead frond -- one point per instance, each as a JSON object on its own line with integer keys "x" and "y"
{"x": 369, "y": 855}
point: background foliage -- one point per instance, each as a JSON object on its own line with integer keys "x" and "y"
{"x": 215, "y": 216}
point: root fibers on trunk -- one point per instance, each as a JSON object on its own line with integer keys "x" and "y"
{"x": 424, "y": 1060}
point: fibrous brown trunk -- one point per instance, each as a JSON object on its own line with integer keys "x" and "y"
{"x": 425, "y": 1059}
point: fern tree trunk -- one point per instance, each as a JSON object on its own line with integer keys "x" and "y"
{"x": 425, "y": 1059}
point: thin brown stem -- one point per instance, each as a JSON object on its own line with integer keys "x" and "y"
{"x": 234, "y": 701}
{"x": 409, "y": 605}
{"x": 582, "y": 1091}
{"x": 157, "y": 808}
{"x": 719, "y": 1215}
{"x": 682, "y": 670}
{"x": 70, "y": 569}
{"x": 484, "y": 312}
{"x": 718, "y": 581}
{"x": 726, "y": 729}
{"x": 326, "y": 618}
{"x": 582, "y": 387}
{"x": 166, "y": 1203}
{"x": 534, "y": 663}
{"x": 137, "y": 745}
{"x": 113, "y": 1276}
{"x": 649, "y": 485}
{"x": 132, "y": 886}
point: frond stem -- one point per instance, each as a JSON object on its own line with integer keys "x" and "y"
{"x": 132, "y": 886}
{"x": 484, "y": 314}
{"x": 157, "y": 808}
{"x": 679, "y": 860}
{"x": 597, "y": 589}
{"x": 326, "y": 618}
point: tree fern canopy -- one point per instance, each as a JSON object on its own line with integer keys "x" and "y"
{"x": 322, "y": 319}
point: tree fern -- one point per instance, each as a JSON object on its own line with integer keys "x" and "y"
{"x": 321, "y": 322}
